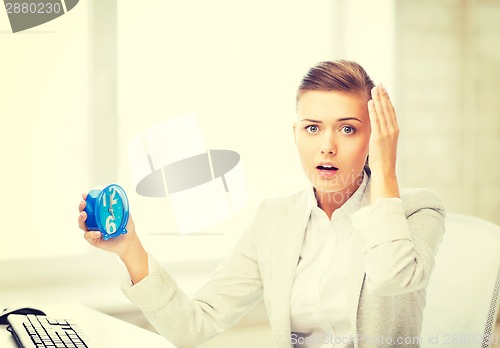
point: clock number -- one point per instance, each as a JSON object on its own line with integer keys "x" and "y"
{"x": 112, "y": 199}
{"x": 110, "y": 225}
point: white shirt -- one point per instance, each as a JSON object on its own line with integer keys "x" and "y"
{"x": 319, "y": 313}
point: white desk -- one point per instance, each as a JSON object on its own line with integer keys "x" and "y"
{"x": 103, "y": 330}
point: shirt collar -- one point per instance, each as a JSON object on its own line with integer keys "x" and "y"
{"x": 350, "y": 206}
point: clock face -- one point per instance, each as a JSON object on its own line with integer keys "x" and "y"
{"x": 112, "y": 211}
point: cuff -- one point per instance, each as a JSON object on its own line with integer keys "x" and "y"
{"x": 152, "y": 292}
{"x": 383, "y": 221}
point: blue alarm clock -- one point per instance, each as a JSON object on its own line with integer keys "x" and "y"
{"x": 107, "y": 211}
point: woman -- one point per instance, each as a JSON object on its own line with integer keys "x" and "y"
{"x": 344, "y": 263}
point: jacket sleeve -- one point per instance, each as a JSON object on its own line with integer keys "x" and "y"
{"x": 400, "y": 239}
{"x": 186, "y": 322}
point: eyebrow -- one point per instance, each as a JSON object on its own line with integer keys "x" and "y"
{"x": 339, "y": 120}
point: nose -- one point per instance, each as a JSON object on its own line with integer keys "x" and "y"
{"x": 328, "y": 144}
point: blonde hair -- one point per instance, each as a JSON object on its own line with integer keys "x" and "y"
{"x": 339, "y": 75}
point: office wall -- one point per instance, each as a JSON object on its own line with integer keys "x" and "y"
{"x": 43, "y": 127}
{"x": 447, "y": 83}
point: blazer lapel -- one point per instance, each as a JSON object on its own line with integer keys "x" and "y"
{"x": 288, "y": 237}
{"x": 357, "y": 269}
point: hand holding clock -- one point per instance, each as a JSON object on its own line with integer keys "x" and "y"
{"x": 383, "y": 145}
{"x": 114, "y": 245}
{"x": 127, "y": 246}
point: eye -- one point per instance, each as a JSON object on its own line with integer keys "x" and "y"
{"x": 348, "y": 130}
{"x": 312, "y": 129}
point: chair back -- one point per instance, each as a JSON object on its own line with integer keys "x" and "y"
{"x": 463, "y": 291}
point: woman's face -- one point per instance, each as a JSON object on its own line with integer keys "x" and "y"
{"x": 332, "y": 134}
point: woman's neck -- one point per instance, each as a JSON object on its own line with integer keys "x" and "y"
{"x": 331, "y": 201}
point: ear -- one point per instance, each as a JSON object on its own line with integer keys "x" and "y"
{"x": 294, "y": 134}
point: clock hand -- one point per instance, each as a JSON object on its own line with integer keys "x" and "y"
{"x": 110, "y": 210}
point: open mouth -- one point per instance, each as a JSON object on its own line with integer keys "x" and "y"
{"x": 331, "y": 168}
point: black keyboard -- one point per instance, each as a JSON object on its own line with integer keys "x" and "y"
{"x": 40, "y": 331}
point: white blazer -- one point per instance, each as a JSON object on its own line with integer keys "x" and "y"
{"x": 397, "y": 241}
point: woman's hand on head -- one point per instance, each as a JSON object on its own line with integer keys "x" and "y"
{"x": 384, "y": 132}
{"x": 383, "y": 144}
{"x": 118, "y": 245}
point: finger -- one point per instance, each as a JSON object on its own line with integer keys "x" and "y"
{"x": 389, "y": 112}
{"x": 380, "y": 111}
{"x": 84, "y": 196}
{"x": 82, "y": 205}
{"x": 92, "y": 237}
{"x": 374, "y": 122}
{"x": 81, "y": 221}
